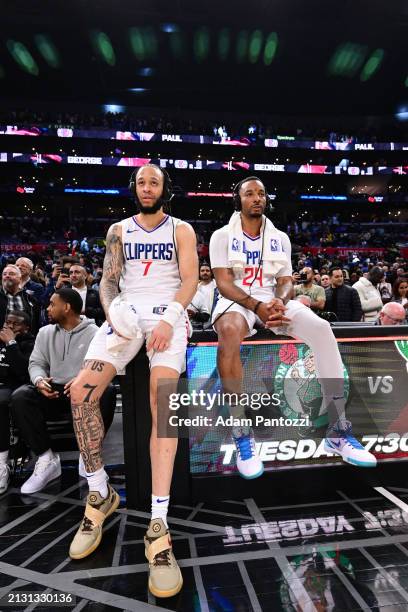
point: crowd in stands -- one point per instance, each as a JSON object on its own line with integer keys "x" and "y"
{"x": 351, "y": 291}
{"x": 255, "y": 128}
{"x": 50, "y": 310}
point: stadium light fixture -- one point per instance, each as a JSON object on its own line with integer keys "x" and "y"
{"x": 137, "y": 43}
{"x": 372, "y": 64}
{"x": 347, "y": 59}
{"x": 143, "y": 42}
{"x": 271, "y": 46}
{"x": 103, "y": 47}
{"x": 255, "y": 46}
{"x": 23, "y": 57}
{"x": 177, "y": 45}
{"x": 113, "y": 108}
{"x": 224, "y": 41}
{"x": 48, "y": 50}
{"x": 169, "y": 28}
{"x": 242, "y": 45}
{"x": 402, "y": 113}
{"x": 201, "y": 44}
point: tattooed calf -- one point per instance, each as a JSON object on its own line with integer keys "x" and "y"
{"x": 89, "y": 431}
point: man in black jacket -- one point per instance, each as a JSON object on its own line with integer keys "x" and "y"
{"x": 341, "y": 299}
{"x": 16, "y": 345}
{"x": 25, "y": 265}
{"x": 12, "y": 297}
{"x": 90, "y": 297}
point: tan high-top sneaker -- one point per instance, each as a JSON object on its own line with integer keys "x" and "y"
{"x": 89, "y": 534}
{"x": 165, "y": 579}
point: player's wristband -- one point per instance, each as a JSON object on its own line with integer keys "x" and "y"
{"x": 173, "y": 313}
{"x": 257, "y": 305}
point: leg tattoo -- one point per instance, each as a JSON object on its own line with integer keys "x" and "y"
{"x": 89, "y": 430}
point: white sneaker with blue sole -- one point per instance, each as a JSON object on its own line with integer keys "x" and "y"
{"x": 248, "y": 463}
{"x": 341, "y": 441}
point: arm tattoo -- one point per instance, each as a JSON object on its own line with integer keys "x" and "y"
{"x": 91, "y": 364}
{"x": 91, "y": 390}
{"x": 112, "y": 267}
{"x": 89, "y": 431}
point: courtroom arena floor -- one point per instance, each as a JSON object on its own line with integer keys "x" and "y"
{"x": 347, "y": 550}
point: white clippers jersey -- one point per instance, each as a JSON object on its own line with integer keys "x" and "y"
{"x": 260, "y": 287}
{"x": 150, "y": 274}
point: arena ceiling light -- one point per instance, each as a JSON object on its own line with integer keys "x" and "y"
{"x": 137, "y": 43}
{"x": 242, "y": 46}
{"x": 224, "y": 42}
{"x": 372, "y": 64}
{"x": 143, "y": 42}
{"x": 178, "y": 45}
{"x": 169, "y": 28}
{"x": 255, "y": 46}
{"x": 48, "y": 50}
{"x": 402, "y": 113}
{"x": 113, "y": 108}
{"x": 271, "y": 46}
{"x": 347, "y": 59}
{"x": 147, "y": 71}
{"x": 23, "y": 57}
{"x": 103, "y": 46}
{"x": 201, "y": 44}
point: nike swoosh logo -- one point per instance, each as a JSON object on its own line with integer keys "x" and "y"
{"x": 131, "y": 231}
{"x": 160, "y": 501}
{"x": 336, "y": 444}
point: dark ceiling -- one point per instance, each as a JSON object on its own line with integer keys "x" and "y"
{"x": 300, "y": 57}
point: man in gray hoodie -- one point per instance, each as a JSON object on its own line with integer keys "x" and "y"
{"x": 56, "y": 359}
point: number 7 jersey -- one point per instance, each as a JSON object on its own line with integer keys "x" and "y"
{"x": 253, "y": 281}
{"x": 150, "y": 269}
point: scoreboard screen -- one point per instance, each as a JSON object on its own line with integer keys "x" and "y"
{"x": 290, "y": 431}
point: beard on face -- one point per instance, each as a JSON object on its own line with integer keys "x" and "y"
{"x": 8, "y": 284}
{"x": 150, "y": 210}
{"x": 256, "y": 215}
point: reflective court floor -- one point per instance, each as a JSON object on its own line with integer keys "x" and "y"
{"x": 346, "y": 551}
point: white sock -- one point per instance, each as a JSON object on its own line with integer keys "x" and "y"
{"x": 47, "y": 456}
{"x": 160, "y": 506}
{"x": 98, "y": 481}
{"x": 3, "y": 456}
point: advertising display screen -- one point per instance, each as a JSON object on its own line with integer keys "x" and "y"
{"x": 274, "y": 142}
{"x": 375, "y": 385}
{"x": 196, "y": 164}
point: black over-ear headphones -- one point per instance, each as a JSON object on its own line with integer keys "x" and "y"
{"x": 237, "y": 198}
{"x": 167, "y": 185}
